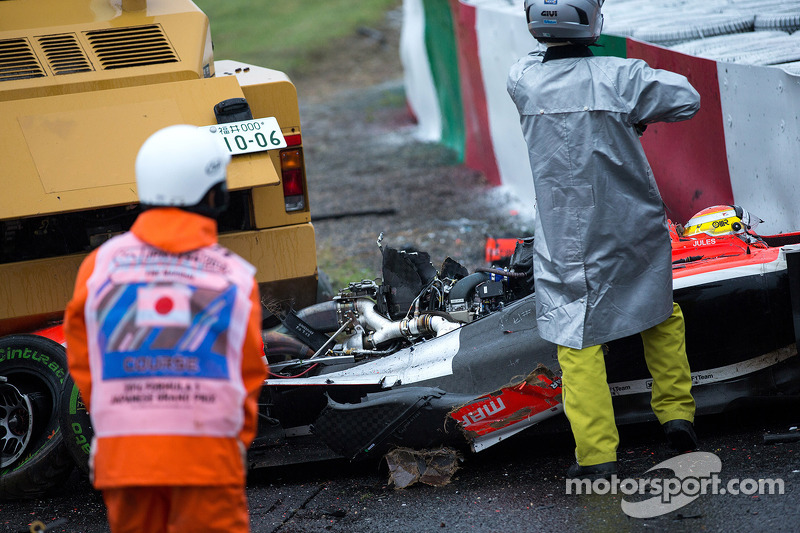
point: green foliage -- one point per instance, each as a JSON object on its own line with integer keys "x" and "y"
{"x": 341, "y": 268}
{"x": 285, "y": 35}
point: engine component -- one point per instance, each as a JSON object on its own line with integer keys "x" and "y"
{"x": 414, "y": 302}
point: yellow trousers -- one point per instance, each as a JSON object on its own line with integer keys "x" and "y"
{"x": 587, "y": 398}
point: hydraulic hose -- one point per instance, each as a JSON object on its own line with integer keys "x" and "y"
{"x": 466, "y": 285}
{"x": 501, "y": 272}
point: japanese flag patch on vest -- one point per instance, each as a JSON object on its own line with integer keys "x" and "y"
{"x": 163, "y": 306}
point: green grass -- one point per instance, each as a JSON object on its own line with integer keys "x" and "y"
{"x": 341, "y": 268}
{"x": 285, "y": 35}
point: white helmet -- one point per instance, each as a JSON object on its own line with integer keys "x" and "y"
{"x": 178, "y": 165}
{"x": 554, "y": 21}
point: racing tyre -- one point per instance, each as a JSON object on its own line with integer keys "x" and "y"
{"x": 33, "y": 457}
{"x": 75, "y": 423}
{"x": 786, "y": 19}
{"x": 668, "y": 33}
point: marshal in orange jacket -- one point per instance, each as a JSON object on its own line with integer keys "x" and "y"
{"x": 176, "y": 416}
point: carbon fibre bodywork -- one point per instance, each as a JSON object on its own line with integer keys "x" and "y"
{"x": 740, "y": 304}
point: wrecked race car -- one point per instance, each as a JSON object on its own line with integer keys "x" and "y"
{"x": 432, "y": 358}
{"x": 424, "y": 358}
{"x": 442, "y": 357}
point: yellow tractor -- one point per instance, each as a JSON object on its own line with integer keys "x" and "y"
{"x": 82, "y": 84}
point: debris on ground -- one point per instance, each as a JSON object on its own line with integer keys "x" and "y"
{"x": 793, "y": 435}
{"x": 432, "y": 467}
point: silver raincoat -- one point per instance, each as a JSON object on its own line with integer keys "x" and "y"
{"x": 602, "y": 254}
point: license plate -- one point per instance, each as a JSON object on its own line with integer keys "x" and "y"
{"x": 248, "y": 136}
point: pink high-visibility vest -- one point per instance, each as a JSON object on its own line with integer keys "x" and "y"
{"x": 165, "y": 336}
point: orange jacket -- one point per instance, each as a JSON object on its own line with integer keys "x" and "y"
{"x": 137, "y": 460}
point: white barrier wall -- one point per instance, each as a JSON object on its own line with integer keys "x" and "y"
{"x": 420, "y": 90}
{"x": 503, "y": 38}
{"x": 761, "y": 120}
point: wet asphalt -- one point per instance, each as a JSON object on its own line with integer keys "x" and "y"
{"x": 517, "y": 485}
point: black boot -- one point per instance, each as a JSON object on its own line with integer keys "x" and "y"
{"x": 599, "y": 471}
{"x": 681, "y": 435}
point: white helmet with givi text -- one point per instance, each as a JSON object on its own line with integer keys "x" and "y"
{"x": 558, "y": 21}
{"x": 176, "y": 166}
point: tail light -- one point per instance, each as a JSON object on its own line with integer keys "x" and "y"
{"x": 292, "y": 177}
